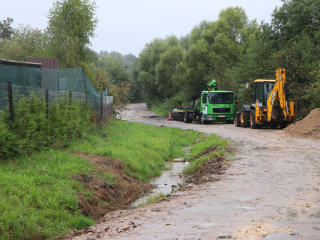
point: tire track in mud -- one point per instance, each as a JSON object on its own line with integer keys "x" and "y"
{"x": 272, "y": 191}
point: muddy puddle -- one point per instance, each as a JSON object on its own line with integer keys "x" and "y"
{"x": 166, "y": 182}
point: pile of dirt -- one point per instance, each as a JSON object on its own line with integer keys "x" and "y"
{"x": 119, "y": 193}
{"x": 309, "y": 127}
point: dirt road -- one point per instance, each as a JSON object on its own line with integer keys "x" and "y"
{"x": 272, "y": 191}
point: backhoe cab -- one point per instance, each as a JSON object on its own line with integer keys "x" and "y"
{"x": 269, "y": 104}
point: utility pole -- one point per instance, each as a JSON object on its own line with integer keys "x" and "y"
{"x": 127, "y": 68}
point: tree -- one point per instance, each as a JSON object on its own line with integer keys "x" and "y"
{"x": 295, "y": 17}
{"x": 70, "y": 26}
{"x": 5, "y": 29}
{"x": 25, "y": 42}
{"x": 114, "y": 68}
{"x": 166, "y": 73}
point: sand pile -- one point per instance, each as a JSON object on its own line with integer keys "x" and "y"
{"x": 309, "y": 127}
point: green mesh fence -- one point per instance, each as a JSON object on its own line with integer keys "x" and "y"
{"x": 52, "y": 84}
{"x": 101, "y": 105}
{"x": 20, "y": 75}
{"x": 67, "y": 79}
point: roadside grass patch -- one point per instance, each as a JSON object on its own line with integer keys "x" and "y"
{"x": 206, "y": 158}
{"x": 144, "y": 148}
{"x": 39, "y": 197}
{"x": 159, "y": 111}
{"x": 48, "y": 193}
{"x": 152, "y": 199}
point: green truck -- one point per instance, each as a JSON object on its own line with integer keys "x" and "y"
{"x": 210, "y": 105}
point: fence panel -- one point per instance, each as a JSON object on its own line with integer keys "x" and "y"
{"x": 100, "y": 104}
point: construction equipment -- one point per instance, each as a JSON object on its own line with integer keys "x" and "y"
{"x": 210, "y": 105}
{"x": 269, "y": 104}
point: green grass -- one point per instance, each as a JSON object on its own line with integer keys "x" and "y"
{"x": 144, "y": 148}
{"x": 152, "y": 199}
{"x": 39, "y": 196}
{"x": 160, "y": 111}
{"x": 197, "y": 164}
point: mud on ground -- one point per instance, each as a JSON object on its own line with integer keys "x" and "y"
{"x": 126, "y": 189}
{"x": 119, "y": 193}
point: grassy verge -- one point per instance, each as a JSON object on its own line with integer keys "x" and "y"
{"x": 211, "y": 148}
{"x": 144, "y": 148}
{"x": 159, "y": 111}
{"x": 40, "y": 193}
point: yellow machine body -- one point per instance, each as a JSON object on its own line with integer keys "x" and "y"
{"x": 269, "y": 105}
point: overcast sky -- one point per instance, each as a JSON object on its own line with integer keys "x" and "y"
{"x": 126, "y": 26}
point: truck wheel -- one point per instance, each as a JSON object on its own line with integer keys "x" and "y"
{"x": 244, "y": 118}
{"x": 202, "y": 120}
{"x": 253, "y": 123}
{"x": 186, "y": 118}
{"x": 237, "y": 122}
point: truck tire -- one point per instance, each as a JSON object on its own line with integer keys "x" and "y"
{"x": 244, "y": 117}
{"x": 237, "y": 120}
{"x": 186, "y": 118}
{"x": 253, "y": 123}
{"x": 202, "y": 120}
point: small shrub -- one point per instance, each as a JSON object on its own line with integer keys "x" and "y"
{"x": 80, "y": 222}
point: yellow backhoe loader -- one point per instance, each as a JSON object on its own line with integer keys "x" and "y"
{"x": 269, "y": 104}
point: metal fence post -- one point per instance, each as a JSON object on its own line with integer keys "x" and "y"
{"x": 10, "y": 101}
{"x": 47, "y": 103}
{"x": 70, "y": 96}
{"x": 101, "y": 106}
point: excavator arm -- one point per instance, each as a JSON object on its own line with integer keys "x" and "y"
{"x": 277, "y": 102}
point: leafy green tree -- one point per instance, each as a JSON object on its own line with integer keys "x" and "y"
{"x": 5, "y": 28}
{"x": 218, "y": 47}
{"x": 185, "y": 41}
{"x": 167, "y": 70}
{"x": 295, "y": 17}
{"x": 114, "y": 68}
{"x": 25, "y": 42}
{"x": 71, "y": 25}
{"x": 295, "y": 31}
{"x": 146, "y": 68}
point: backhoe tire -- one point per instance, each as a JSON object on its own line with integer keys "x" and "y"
{"x": 253, "y": 123}
{"x": 283, "y": 125}
{"x": 244, "y": 117}
{"x": 186, "y": 118}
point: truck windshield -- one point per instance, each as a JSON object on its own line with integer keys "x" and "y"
{"x": 220, "y": 98}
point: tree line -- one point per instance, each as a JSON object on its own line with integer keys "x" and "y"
{"x": 71, "y": 24}
{"x": 234, "y": 51}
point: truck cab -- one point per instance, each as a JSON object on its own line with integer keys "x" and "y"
{"x": 216, "y": 106}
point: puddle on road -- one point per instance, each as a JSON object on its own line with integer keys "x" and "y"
{"x": 165, "y": 181}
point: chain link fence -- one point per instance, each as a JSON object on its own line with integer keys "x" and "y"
{"x": 101, "y": 104}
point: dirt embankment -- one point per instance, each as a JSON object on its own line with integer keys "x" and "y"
{"x": 309, "y": 127}
{"x": 119, "y": 193}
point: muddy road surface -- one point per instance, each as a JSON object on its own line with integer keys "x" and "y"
{"x": 271, "y": 191}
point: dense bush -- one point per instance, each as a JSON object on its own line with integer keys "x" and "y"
{"x": 34, "y": 128}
